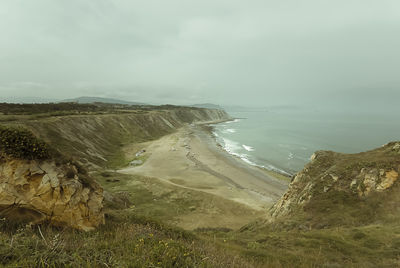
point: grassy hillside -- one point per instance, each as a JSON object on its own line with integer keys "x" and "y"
{"x": 96, "y": 140}
{"x": 344, "y": 190}
{"x": 124, "y": 241}
{"x": 340, "y": 211}
{"x": 375, "y": 245}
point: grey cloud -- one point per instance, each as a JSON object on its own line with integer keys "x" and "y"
{"x": 229, "y": 52}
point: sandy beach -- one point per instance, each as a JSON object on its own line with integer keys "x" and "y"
{"x": 190, "y": 158}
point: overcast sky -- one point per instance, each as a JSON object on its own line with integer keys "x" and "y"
{"x": 254, "y": 52}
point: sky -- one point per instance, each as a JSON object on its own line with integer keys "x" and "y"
{"x": 230, "y": 52}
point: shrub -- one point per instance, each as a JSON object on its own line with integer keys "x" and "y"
{"x": 21, "y": 143}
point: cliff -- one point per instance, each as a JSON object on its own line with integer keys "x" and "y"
{"x": 41, "y": 179}
{"x": 42, "y": 191}
{"x": 96, "y": 140}
{"x": 337, "y": 189}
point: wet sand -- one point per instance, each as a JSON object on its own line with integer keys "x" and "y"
{"x": 190, "y": 158}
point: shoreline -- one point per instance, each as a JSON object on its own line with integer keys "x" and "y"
{"x": 210, "y": 127}
{"x": 191, "y": 158}
{"x": 236, "y": 160}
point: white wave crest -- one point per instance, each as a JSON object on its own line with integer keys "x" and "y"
{"x": 231, "y": 146}
{"x": 248, "y": 148}
{"x": 233, "y": 121}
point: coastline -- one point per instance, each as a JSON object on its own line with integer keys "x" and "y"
{"x": 269, "y": 168}
{"x": 192, "y": 159}
{"x": 273, "y": 171}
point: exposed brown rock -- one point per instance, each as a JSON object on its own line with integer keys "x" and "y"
{"x": 387, "y": 181}
{"x": 33, "y": 191}
{"x": 357, "y": 175}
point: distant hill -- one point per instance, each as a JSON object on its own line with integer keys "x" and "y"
{"x": 103, "y": 100}
{"x": 207, "y": 106}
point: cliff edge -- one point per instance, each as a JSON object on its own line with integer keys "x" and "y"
{"x": 38, "y": 185}
{"x": 337, "y": 189}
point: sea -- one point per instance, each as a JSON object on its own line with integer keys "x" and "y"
{"x": 283, "y": 140}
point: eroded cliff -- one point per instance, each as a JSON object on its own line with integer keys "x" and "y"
{"x": 34, "y": 191}
{"x": 43, "y": 182}
{"x": 96, "y": 140}
{"x": 344, "y": 189}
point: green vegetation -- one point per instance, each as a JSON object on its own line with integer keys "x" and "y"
{"x": 337, "y": 228}
{"x": 55, "y": 109}
{"x": 369, "y": 246}
{"x": 145, "y": 196}
{"x": 124, "y": 241}
{"x": 21, "y": 143}
{"x": 287, "y": 243}
{"x": 15, "y": 111}
{"x": 151, "y": 198}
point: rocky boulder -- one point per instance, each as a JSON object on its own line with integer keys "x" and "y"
{"x": 34, "y": 191}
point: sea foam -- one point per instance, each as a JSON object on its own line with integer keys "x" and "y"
{"x": 233, "y": 121}
{"x": 236, "y": 149}
{"x": 231, "y": 146}
{"x": 248, "y": 148}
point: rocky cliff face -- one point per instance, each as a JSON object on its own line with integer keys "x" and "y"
{"x": 42, "y": 191}
{"x": 94, "y": 139}
{"x": 339, "y": 188}
{"x": 38, "y": 191}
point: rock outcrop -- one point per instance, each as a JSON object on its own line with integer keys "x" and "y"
{"x": 344, "y": 182}
{"x": 35, "y": 191}
{"x": 42, "y": 191}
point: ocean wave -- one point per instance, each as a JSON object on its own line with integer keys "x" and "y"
{"x": 248, "y": 148}
{"x": 233, "y": 121}
{"x": 248, "y": 161}
{"x": 230, "y": 130}
{"x": 232, "y": 147}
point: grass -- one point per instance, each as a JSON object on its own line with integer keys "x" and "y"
{"x": 152, "y": 198}
{"x": 130, "y": 240}
{"x": 124, "y": 241}
{"x": 336, "y": 229}
{"x": 136, "y": 234}
{"x": 293, "y": 244}
{"x": 97, "y": 134}
{"x": 148, "y": 197}
{"x": 368, "y": 246}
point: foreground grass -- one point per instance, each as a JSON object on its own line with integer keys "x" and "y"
{"x": 132, "y": 238}
{"x": 367, "y": 246}
{"x": 130, "y": 241}
{"x": 285, "y": 244}
{"x": 125, "y": 241}
{"x": 151, "y": 198}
